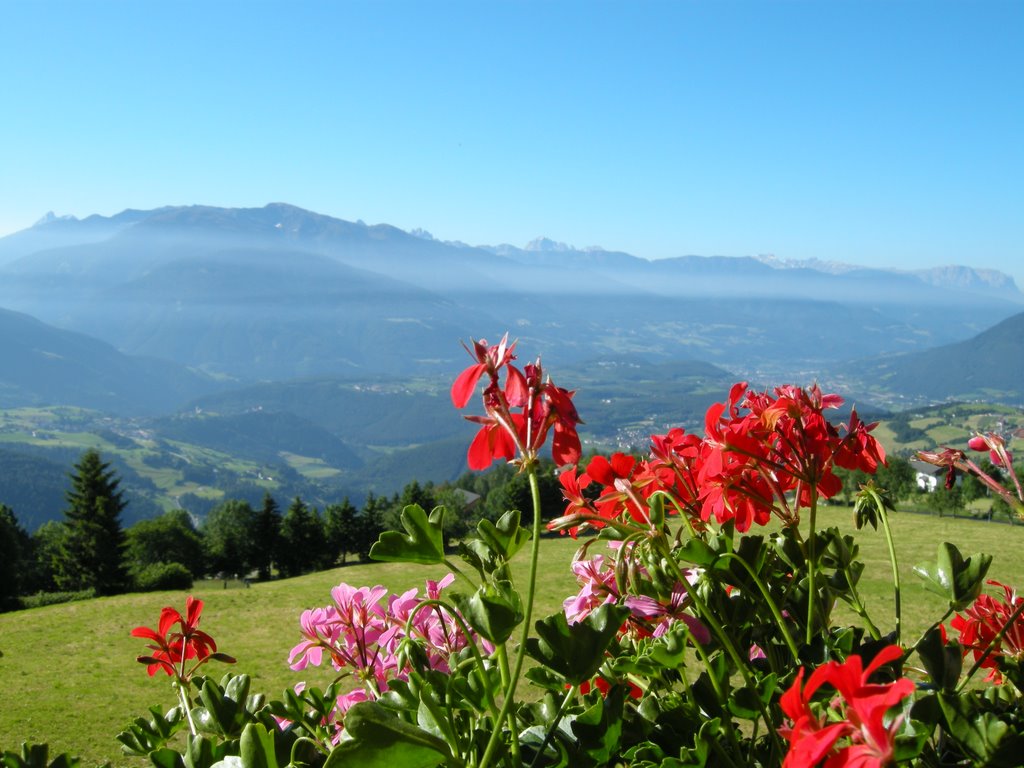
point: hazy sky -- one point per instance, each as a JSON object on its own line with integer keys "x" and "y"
{"x": 878, "y": 133}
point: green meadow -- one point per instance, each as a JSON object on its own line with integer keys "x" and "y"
{"x": 69, "y": 677}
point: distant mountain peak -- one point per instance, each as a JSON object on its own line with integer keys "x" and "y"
{"x": 818, "y": 265}
{"x": 967, "y": 278}
{"x": 547, "y": 245}
{"x": 50, "y": 217}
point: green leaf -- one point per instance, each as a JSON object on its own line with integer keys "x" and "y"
{"x": 199, "y": 753}
{"x": 960, "y": 581}
{"x": 423, "y": 542}
{"x": 257, "y": 747}
{"x": 697, "y": 552}
{"x": 981, "y": 734}
{"x": 494, "y": 610}
{"x": 506, "y": 537}
{"x": 381, "y": 740}
{"x": 165, "y": 757}
{"x": 599, "y": 729}
{"x": 943, "y": 663}
{"x": 576, "y": 650}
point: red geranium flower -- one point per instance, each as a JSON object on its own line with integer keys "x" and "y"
{"x": 861, "y": 736}
{"x": 172, "y": 649}
{"x": 979, "y": 625}
{"x": 519, "y": 415}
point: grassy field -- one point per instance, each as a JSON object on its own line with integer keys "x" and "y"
{"x": 68, "y": 675}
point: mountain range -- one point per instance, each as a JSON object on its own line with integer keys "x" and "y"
{"x": 275, "y": 293}
{"x": 319, "y": 350}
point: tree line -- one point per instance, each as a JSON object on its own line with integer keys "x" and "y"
{"x": 89, "y": 553}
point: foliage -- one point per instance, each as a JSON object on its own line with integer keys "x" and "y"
{"x": 160, "y": 576}
{"x": 92, "y": 554}
{"x": 41, "y": 599}
{"x": 227, "y": 537}
{"x": 340, "y": 530}
{"x": 303, "y": 545}
{"x": 15, "y": 558}
{"x": 170, "y": 538}
{"x": 266, "y": 536}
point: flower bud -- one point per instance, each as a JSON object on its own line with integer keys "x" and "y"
{"x": 977, "y": 443}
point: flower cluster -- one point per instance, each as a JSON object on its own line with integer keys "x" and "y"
{"x": 363, "y": 633}
{"x": 518, "y": 415}
{"x": 171, "y": 650}
{"x": 980, "y": 626}
{"x": 759, "y": 451}
{"x": 650, "y": 616}
{"x": 856, "y": 728}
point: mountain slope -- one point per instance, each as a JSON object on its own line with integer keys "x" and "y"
{"x": 989, "y": 366}
{"x": 43, "y": 365}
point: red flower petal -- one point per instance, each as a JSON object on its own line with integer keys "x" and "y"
{"x": 465, "y": 384}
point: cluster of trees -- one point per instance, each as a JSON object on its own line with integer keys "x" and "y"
{"x": 89, "y": 551}
{"x": 897, "y": 478}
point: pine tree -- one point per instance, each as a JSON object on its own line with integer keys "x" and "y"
{"x": 15, "y": 558}
{"x": 341, "y": 526}
{"x": 302, "y": 540}
{"x": 92, "y": 555}
{"x": 266, "y": 536}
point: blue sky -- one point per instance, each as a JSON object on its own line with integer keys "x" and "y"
{"x": 877, "y": 133}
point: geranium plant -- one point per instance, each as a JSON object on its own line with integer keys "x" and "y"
{"x": 704, "y": 631}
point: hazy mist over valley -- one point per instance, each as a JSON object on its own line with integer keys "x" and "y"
{"x": 277, "y": 348}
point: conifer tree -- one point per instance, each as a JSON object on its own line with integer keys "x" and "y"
{"x": 341, "y": 530}
{"x": 92, "y": 554}
{"x": 302, "y": 540}
{"x": 15, "y": 558}
{"x": 266, "y": 536}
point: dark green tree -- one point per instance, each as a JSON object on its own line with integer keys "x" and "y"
{"x": 302, "y": 540}
{"x": 852, "y": 479}
{"x": 946, "y": 501}
{"x": 228, "y": 537}
{"x": 92, "y": 556}
{"x": 341, "y": 530}
{"x": 458, "y": 519}
{"x": 370, "y": 524}
{"x": 515, "y": 494}
{"x": 897, "y": 478}
{"x": 170, "y": 538}
{"x": 267, "y": 536}
{"x": 15, "y": 559}
{"x": 47, "y": 544}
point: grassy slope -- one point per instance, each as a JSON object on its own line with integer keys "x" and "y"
{"x": 69, "y": 677}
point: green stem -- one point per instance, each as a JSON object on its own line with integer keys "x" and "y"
{"x": 506, "y": 706}
{"x": 506, "y": 681}
{"x": 895, "y": 573}
{"x": 722, "y": 697}
{"x": 452, "y": 567}
{"x": 554, "y": 724}
{"x": 812, "y": 567}
{"x": 723, "y": 637}
{"x": 861, "y": 610}
{"x": 470, "y": 635}
{"x": 776, "y": 613}
{"x": 187, "y": 707}
{"x": 911, "y": 649}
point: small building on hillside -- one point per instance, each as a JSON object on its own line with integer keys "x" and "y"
{"x": 928, "y": 476}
